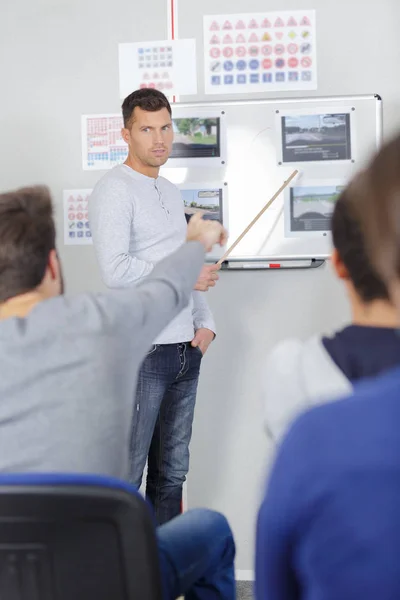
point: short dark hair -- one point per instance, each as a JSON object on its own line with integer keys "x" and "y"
{"x": 376, "y": 195}
{"x": 348, "y": 239}
{"x": 147, "y": 99}
{"x": 27, "y": 235}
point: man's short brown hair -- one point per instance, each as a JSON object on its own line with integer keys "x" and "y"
{"x": 147, "y": 99}
{"x": 373, "y": 197}
{"x": 349, "y": 240}
{"x": 27, "y": 235}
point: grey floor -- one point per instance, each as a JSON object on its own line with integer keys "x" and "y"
{"x": 244, "y": 590}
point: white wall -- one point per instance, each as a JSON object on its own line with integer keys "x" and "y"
{"x": 229, "y": 449}
{"x": 58, "y": 60}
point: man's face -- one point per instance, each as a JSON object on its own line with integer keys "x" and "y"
{"x": 150, "y": 136}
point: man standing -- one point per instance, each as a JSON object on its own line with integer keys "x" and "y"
{"x": 137, "y": 218}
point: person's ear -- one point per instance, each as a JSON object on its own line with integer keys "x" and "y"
{"x": 53, "y": 266}
{"x": 338, "y": 265}
{"x": 126, "y": 135}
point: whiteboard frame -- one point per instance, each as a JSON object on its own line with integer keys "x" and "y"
{"x": 315, "y": 102}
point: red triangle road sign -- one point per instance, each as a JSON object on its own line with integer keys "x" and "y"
{"x": 253, "y": 24}
{"x": 305, "y": 22}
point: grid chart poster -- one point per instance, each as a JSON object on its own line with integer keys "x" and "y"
{"x": 102, "y": 144}
{"x": 274, "y": 51}
{"x": 168, "y": 66}
{"x": 76, "y": 217}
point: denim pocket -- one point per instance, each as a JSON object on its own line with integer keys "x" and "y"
{"x": 198, "y": 350}
{"x": 152, "y": 350}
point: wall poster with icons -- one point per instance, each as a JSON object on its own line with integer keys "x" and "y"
{"x": 76, "y": 217}
{"x": 102, "y": 144}
{"x": 274, "y": 51}
{"x": 168, "y": 66}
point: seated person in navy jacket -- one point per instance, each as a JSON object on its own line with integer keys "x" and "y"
{"x": 329, "y": 525}
{"x": 300, "y": 374}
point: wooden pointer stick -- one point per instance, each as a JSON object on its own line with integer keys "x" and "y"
{"x": 262, "y": 211}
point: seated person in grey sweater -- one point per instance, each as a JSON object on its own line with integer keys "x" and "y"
{"x": 300, "y": 374}
{"x": 69, "y": 369}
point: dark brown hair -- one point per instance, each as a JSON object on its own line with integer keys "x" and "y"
{"x": 375, "y": 197}
{"x": 147, "y": 99}
{"x": 27, "y": 235}
{"x": 348, "y": 239}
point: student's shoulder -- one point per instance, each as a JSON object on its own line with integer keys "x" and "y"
{"x": 290, "y": 351}
{"x": 327, "y": 443}
{"x": 285, "y": 374}
{"x": 282, "y": 368}
{"x": 91, "y": 312}
{"x": 73, "y": 308}
{"x": 340, "y": 420}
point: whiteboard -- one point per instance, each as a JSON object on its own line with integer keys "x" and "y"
{"x": 262, "y": 141}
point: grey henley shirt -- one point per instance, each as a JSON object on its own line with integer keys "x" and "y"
{"x": 136, "y": 221}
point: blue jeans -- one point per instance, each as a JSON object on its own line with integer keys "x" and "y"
{"x": 197, "y": 554}
{"x": 162, "y": 424}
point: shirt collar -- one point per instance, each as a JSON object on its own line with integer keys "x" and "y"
{"x": 139, "y": 176}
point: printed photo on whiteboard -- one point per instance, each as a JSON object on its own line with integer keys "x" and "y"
{"x": 168, "y": 66}
{"x": 76, "y": 217}
{"x": 207, "y": 201}
{"x": 102, "y": 143}
{"x": 196, "y": 138}
{"x": 309, "y": 209}
{"x": 315, "y": 137}
{"x": 260, "y": 52}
